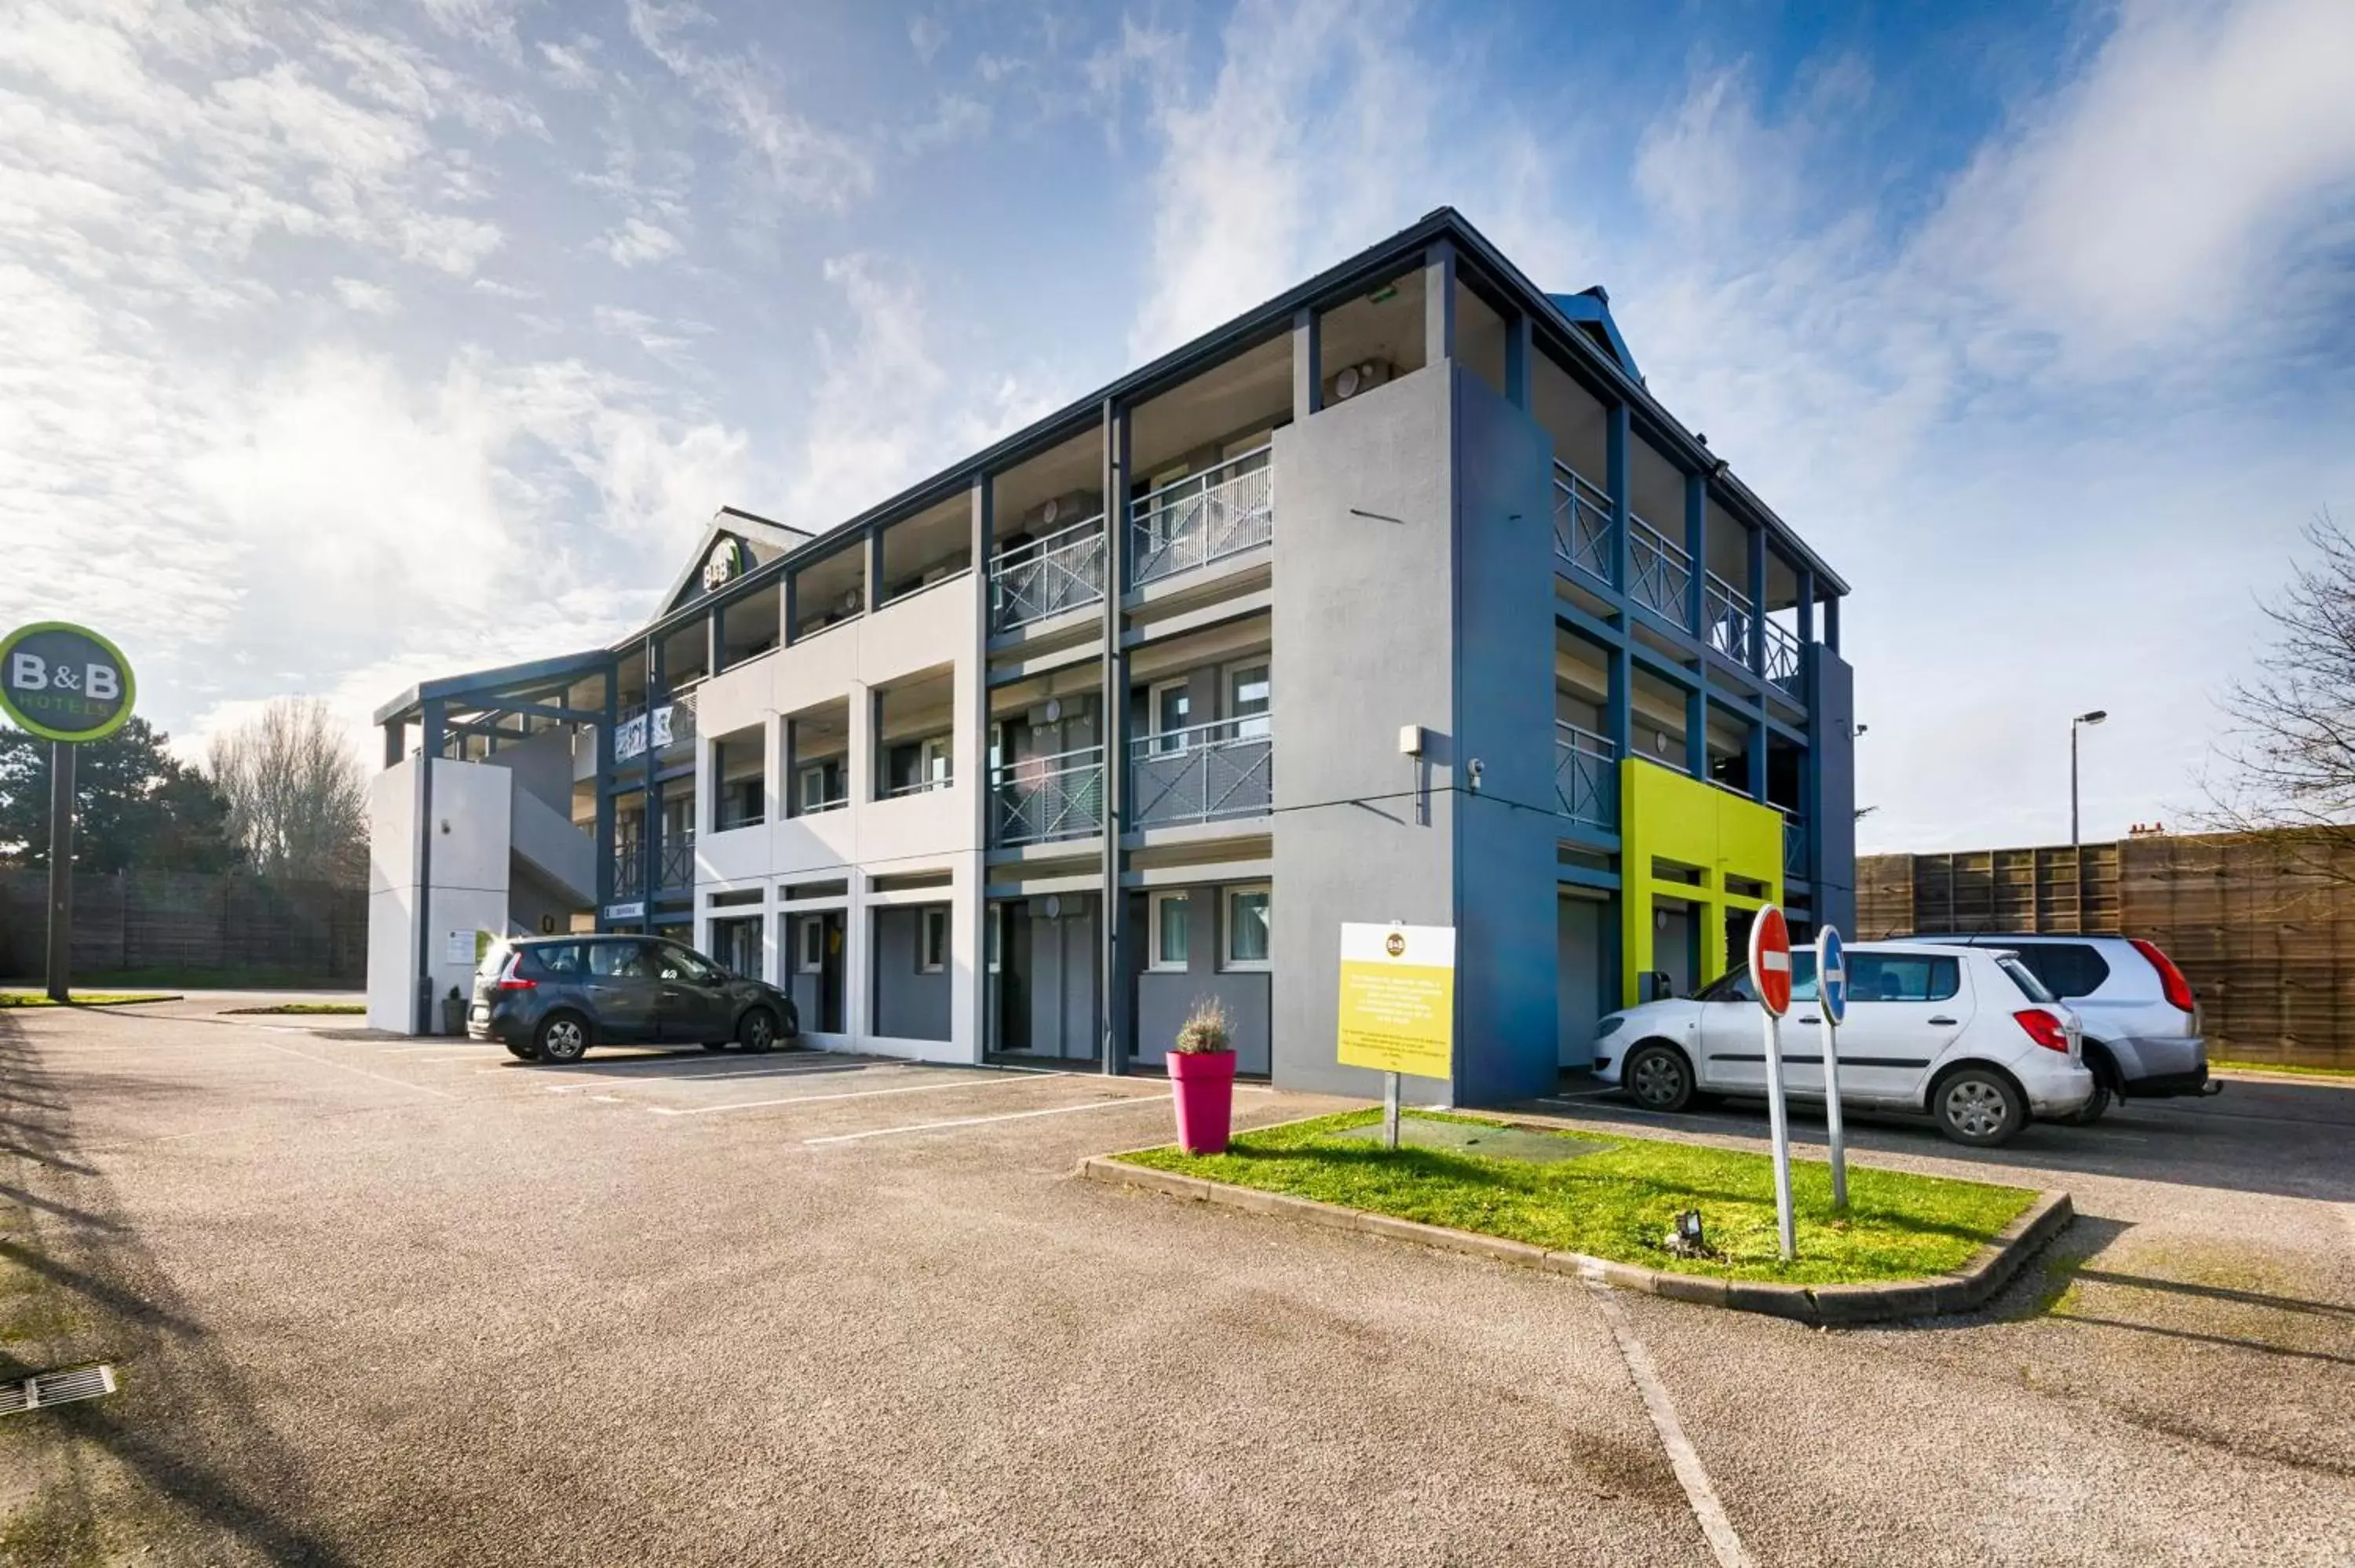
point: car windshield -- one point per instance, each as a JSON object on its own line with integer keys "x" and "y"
{"x": 2023, "y": 977}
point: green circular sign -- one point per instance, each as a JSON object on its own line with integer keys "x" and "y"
{"x": 64, "y": 682}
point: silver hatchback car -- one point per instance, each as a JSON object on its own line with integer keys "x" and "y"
{"x": 2140, "y": 1018}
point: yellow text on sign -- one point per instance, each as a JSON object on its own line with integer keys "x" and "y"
{"x": 1398, "y": 999}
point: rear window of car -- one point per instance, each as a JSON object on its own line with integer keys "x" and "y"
{"x": 2067, "y": 968}
{"x": 494, "y": 958}
{"x": 2025, "y": 977}
{"x": 1902, "y": 977}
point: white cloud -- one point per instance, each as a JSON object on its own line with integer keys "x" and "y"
{"x": 926, "y": 34}
{"x": 801, "y": 161}
{"x": 370, "y": 299}
{"x": 2161, "y": 191}
{"x": 637, "y": 242}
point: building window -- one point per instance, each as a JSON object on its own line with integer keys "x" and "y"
{"x": 812, "y": 941}
{"x": 1246, "y": 923}
{"x": 1247, "y": 700}
{"x": 992, "y": 926}
{"x": 932, "y": 941}
{"x": 1172, "y": 705}
{"x": 821, "y": 787}
{"x": 1171, "y": 918}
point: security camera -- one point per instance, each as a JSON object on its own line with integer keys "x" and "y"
{"x": 1476, "y": 767}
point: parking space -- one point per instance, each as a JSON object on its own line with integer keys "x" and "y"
{"x": 406, "y": 1302}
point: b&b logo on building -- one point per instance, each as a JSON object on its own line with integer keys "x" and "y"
{"x": 64, "y": 682}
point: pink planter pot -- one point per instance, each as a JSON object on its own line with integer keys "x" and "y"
{"x": 1203, "y": 1085}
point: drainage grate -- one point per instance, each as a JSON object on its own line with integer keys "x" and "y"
{"x": 55, "y": 1388}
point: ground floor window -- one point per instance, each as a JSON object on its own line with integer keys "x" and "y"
{"x": 1171, "y": 915}
{"x": 1247, "y": 927}
{"x": 933, "y": 950}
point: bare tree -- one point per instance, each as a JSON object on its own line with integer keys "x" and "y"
{"x": 2287, "y": 764}
{"x": 297, "y": 795}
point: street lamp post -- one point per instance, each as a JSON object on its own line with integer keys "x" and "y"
{"x": 2096, "y": 717}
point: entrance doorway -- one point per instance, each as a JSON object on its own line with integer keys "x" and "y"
{"x": 1044, "y": 995}
{"x": 813, "y": 969}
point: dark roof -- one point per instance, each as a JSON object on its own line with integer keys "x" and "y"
{"x": 1602, "y": 354}
{"x": 504, "y": 680}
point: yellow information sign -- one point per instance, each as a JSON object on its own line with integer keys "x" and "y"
{"x": 1398, "y": 999}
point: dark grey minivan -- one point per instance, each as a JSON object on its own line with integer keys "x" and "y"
{"x": 549, "y": 999}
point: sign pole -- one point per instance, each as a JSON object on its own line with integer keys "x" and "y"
{"x": 1389, "y": 1110}
{"x": 61, "y": 836}
{"x": 1831, "y": 994}
{"x": 1779, "y": 1124}
{"x": 1770, "y": 976}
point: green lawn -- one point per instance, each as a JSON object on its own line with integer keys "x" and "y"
{"x": 2347, "y": 1073}
{"x": 81, "y": 998}
{"x": 308, "y": 1009}
{"x": 1618, "y": 1202}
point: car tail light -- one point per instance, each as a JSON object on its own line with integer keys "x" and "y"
{"x": 513, "y": 980}
{"x": 2043, "y": 1028}
{"x": 2170, "y": 978}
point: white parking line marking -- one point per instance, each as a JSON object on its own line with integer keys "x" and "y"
{"x": 847, "y": 1095}
{"x": 780, "y": 1070}
{"x": 1707, "y": 1511}
{"x": 977, "y": 1120}
{"x": 362, "y": 1072}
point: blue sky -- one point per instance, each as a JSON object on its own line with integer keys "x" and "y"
{"x": 344, "y": 345}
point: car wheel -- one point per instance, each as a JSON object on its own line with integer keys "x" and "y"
{"x": 1659, "y": 1076}
{"x": 2091, "y": 1111}
{"x": 563, "y": 1037}
{"x": 757, "y": 1030}
{"x": 1979, "y": 1107}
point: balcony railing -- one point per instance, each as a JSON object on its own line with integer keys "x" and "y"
{"x": 917, "y": 787}
{"x": 1064, "y": 570}
{"x": 1201, "y": 773}
{"x": 824, "y": 804}
{"x": 1659, "y": 573}
{"x": 1203, "y": 518}
{"x": 1586, "y": 776}
{"x": 1045, "y": 798}
{"x": 677, "y": 865}
{"x": 1581, "y": 522}
{"x": 1729, "y": 617}
{"x": 1795, "y": 848}
{"x": 1784, "y": 664}
{"x": 673, "y": 724}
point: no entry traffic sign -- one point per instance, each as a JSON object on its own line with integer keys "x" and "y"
{"x": 1770, "y": 959}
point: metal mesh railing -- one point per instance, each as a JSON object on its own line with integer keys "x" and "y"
{"x": 1064, "y": 570}
{"x": 1784, "y": 663}
{"x": 1201, "y": 773}
{"x": 1730, "y": 615}
{"x": 1045, "y": 798}
{"x": 1586, "y": 776}
{"x": 1581, "y": 522}
{"x": 1659, "y": 573}
{"x": 1203, "y": 518}
{"x": 1795, "y": 848}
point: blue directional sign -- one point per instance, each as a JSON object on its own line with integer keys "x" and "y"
{"x": 1831, "y": 975}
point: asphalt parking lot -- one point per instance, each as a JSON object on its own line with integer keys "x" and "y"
{"x": 409, "y": 1301}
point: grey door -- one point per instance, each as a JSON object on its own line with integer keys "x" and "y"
{"x": 621, "y": 989}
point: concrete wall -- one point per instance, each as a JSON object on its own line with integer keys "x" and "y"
{"x": 1508, "y": 1024}
{"x": 1164, "y": 998}
{"x": 469, "y": 869}
{"x": 1364, "y": 552}
{"x": 908, "y": 1004}
{"x": 542, "y": 767}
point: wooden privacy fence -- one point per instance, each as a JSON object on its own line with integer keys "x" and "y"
{"x": 191, "y": 923}
{"x": 2261, "y": 925}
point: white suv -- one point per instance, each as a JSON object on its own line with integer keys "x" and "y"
{"x": 1967, "y": 1034}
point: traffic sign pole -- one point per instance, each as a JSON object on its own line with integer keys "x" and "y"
{"x": 1831, "y": 994}
{"x": 61, "y": 836}
{"x": 1770, "y": 976}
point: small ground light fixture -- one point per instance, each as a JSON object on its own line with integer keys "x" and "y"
{"x": 1686, "y": 1237}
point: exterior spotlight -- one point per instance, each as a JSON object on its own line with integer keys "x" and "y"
{"x": 1687, "y": 1240}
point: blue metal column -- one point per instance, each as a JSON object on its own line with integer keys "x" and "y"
{"x": 1615, "y": 464}
{"x": 1832, "y": 623}
{"x": 1517, "y": 361}
{"x": 1757, "y": 587}
{"x": 1113, "y": 981}
{"x": 604, "y": 777}
{"x": 429, "y": 750}
{"x": 651, "y": 834}
{"x": 1696, "y": 598}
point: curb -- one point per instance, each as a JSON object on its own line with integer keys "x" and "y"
{"x": 1965, "y": 1290}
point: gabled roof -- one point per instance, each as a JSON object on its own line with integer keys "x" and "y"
{"x": 768, "y": 541}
